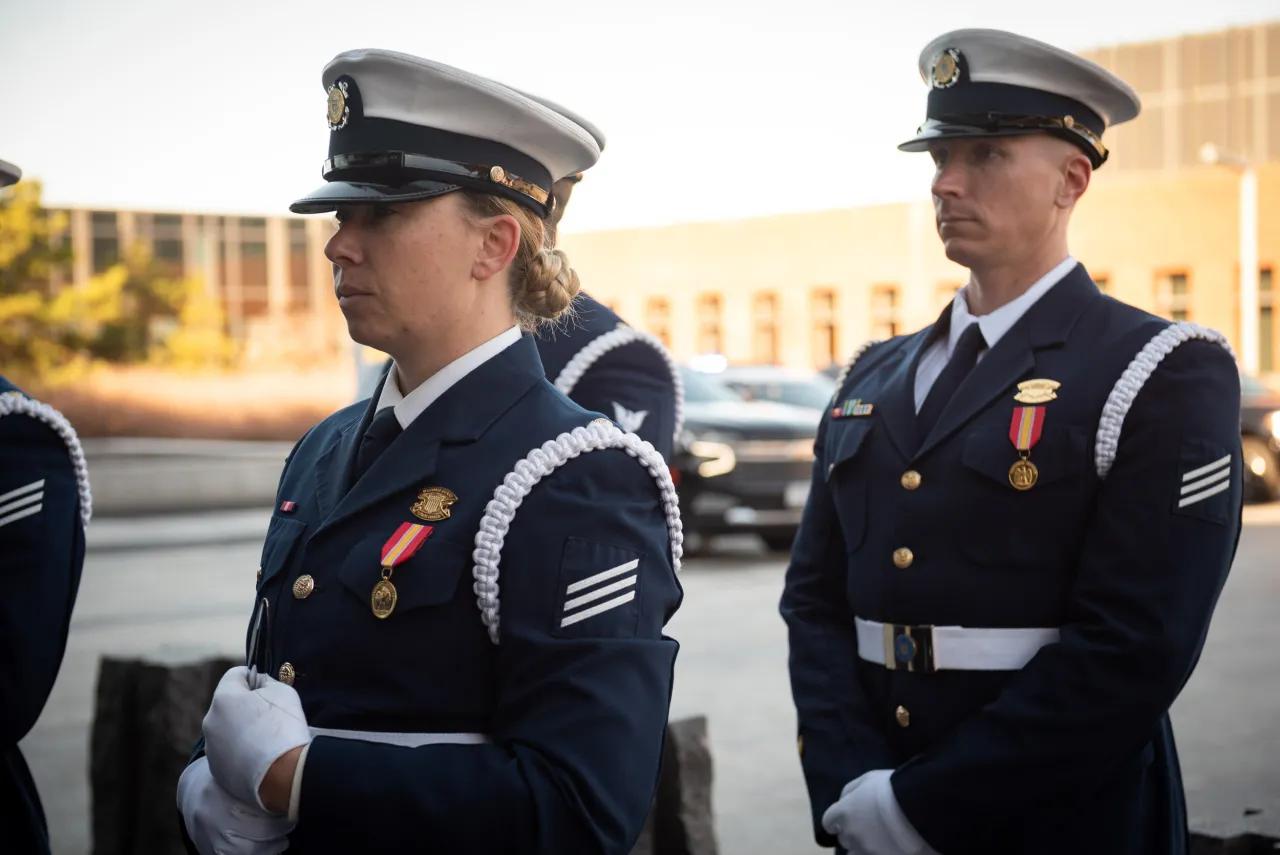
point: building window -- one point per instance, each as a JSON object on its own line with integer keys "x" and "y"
{"x": 298, "y": 268}
{"x": 884, "y": 311}
{"x": 764, "y": 329}
{"x": 1266, "y": 321}
{"x": 1103, "y": 283}
{"x": 106, "y": 240}
{"x": 709, "y": 340}
{"x": 657, "y": 319}
{"x": 168, "y": 250}
{"x": 1173, "y": 298}
{"x": 822, "y": 305}
{"x": 106, "y": 253}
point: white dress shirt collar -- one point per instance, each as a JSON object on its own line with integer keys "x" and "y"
{"x": 409, "y": 407}
{"x": 995, "y": 324}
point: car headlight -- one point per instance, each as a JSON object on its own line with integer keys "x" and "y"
{"x": 717, "y": 457}
{"x": 1274, "y": 419}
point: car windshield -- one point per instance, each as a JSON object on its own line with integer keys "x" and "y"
{"x": 1254, "y": 386}
{"x": 814, "y": 394}
{"x": 700, "y": 388}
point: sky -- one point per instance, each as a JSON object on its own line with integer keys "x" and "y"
{"x": 712, "y": 109}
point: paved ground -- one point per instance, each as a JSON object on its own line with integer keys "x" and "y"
{"x": 732, "y": 668}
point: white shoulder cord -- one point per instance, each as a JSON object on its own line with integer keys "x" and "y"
{"x": 853, "y": 360}
{"x": 615, "y": 338}
{"x": 1131, "y": 381}
{"x": 539, "y": 463}
{"x": 16, "y": 404}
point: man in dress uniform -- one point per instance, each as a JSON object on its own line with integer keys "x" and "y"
{"x": 44, "y": 507}
{"x": 608, "y": 366}
{"x": 1021, "y": 516}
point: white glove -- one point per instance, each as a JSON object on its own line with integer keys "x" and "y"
{"x": 868, "y": 821}
{"x": 219, "y": 825}
{"x": 245, "y": 731}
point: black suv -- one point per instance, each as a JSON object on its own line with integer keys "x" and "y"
{"x": 742, "y": 466}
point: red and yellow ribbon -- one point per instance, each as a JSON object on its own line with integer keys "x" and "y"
{"x": 406, "y": 541}
{"x": 1024, "y": 430}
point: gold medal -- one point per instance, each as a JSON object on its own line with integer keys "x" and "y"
{"x": 406, "y": 541}
{"x": 1024, "y": 433}
{"x": 384, "y": 597}
{"x": 1023, "y": 475}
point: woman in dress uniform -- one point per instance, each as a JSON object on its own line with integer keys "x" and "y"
{"x": 459, "y": 642}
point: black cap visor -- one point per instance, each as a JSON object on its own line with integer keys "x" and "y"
{"x": 333, "y": 194}
{"x": 935, "y": 130}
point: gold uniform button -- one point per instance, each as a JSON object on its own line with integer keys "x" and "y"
{"x": 902, "y": 558}
{"x": 903, "y": 716}
{"x": 910, "y": 479}
{"x": 303, "y": 587}
{"x": 287, "y": 674}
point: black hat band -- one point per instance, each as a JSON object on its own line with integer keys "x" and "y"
{"x": 402, "y": 167}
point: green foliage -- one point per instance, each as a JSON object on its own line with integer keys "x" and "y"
{"x": 131, "y": 313}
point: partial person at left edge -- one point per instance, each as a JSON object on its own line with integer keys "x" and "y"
{"x": 44, "y": 508}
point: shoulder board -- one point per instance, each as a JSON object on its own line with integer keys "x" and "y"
{"x": 538, "y": 464}
{"x": 17, "y": 404}
{"x": 576, "y": 367}
{"x": 1134, "y": 377}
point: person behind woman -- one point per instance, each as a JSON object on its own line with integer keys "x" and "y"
{"x": 465, "y": 580}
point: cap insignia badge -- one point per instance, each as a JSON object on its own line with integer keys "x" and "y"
{"x": 946, "y": 69}
{"x": 433, "y": 504}
{"x": 338, "y": 112}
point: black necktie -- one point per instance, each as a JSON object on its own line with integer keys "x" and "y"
{"x": 382, "y": 430}
{"x": 958, "y": 367}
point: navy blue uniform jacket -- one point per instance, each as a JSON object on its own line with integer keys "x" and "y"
{"x": 574, "y": 711}
{"x": 1072, "y": 753}
{"x": 628, "y": 384}
{"x": 41, "y": 556}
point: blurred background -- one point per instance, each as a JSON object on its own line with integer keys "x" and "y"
{"x": 751, "y": 210}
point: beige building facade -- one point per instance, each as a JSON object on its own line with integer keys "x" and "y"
{"x": 1158, "y": 229}
{"x": 268, "y": 274}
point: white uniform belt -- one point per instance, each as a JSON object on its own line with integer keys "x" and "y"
{"x": 407, "y": 740}
{"x": 900, "y": 647}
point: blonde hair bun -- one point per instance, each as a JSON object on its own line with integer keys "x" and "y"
{"x": 550, "y": 285}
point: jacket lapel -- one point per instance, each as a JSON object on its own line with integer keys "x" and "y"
{"x": 333, "y": 467}
{"x": 462, "y": 414}
{"x": 898, "y": 409}
{"x": 1046, "y": 324}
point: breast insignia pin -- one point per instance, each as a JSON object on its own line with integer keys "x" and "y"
{"x": 433, "y": 504}
{"x": 1037, "y": 391}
